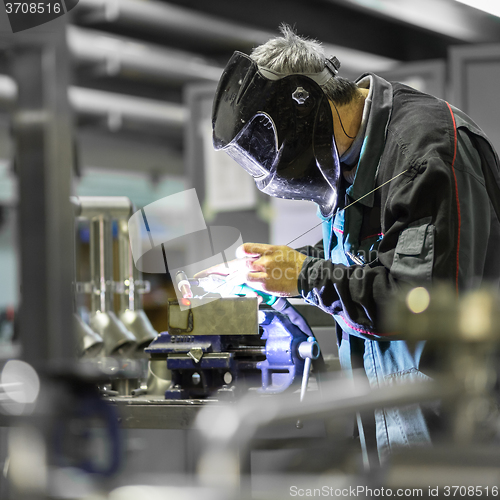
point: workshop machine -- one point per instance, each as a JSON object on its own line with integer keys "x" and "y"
{"x": 217, "y": 346}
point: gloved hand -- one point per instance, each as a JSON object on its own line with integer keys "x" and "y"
{"x": 257, "y": 264}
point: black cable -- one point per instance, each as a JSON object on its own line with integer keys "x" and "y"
{"x": 341, "y": 122}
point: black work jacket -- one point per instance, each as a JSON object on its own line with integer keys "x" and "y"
{"x": 431, "y": 220}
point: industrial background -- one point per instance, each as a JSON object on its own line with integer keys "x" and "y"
{"x": 114, "y": 100}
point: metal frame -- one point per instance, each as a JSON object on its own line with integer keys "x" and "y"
{"x": 433, "y": 73}
{"x": 462, "y": 60}
{"x": 42, "y": 126}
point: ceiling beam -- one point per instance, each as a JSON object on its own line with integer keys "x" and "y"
{"x": 445, "y": 17}
{"x": 208, "y": 30}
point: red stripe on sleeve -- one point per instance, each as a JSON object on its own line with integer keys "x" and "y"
{"x": 456, "y": 191}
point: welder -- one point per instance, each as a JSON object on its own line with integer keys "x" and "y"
{"x": 407, "y": 188}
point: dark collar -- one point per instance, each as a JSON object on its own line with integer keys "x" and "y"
{"x": 374, "y": 141}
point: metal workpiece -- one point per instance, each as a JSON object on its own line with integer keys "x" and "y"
{"x": 183, "y": 284}
{"x": 228, "y": 316}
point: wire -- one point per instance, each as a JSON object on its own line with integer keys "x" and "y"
{"x": 341, "y": 122}
{"x": 350, "y": 204}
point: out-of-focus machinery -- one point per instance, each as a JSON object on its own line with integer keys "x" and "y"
{"x": 464, "y": 334}
{"x": 114, "y": 337}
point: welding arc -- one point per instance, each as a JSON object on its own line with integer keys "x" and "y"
{"x": 350, "y": 205}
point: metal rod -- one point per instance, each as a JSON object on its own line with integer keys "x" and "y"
{"x": 101, "y": 264}
{"x": 128, "y": 273}
{"x": 131, "y": 312}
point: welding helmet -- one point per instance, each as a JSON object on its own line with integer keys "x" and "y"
{"x": 279, "y": 129}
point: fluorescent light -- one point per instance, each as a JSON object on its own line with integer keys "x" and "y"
{"x": 490, "y": 6}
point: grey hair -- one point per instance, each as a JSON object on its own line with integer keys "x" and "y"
{"x": 292, "y": 53}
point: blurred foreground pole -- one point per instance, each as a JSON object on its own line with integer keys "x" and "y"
{"x": 42, "y": 129}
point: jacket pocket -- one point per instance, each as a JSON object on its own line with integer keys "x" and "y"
{"x": 414, "y": 255}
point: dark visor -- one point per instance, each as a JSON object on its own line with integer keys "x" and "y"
{"x": 256, "y": 146}
{"x": 279, "y": 130}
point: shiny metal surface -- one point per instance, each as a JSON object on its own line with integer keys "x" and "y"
{"x": 159, "y": 377}
{"x": 118, "y": 341}
{"x": 139, "y": 325}
{"x": 90, "y": 343}
{"x": 107, "y": 206}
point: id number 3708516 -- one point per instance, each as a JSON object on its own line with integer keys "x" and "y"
{"x": 33, "y": 8}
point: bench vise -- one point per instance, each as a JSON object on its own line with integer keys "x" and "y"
{"x": 214, "y": 348}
